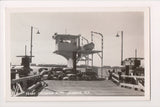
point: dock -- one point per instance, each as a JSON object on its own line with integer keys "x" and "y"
{"x": 86, "y": 88}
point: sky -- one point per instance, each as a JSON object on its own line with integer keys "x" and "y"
{"x": 107, "y": 23}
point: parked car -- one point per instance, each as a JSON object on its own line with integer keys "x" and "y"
{"x": 44, "y": 74}
{"x": 65, "y": 78}
{"x": 71, "y": 76}
{"x": 42, "y": 69}
{"x": 89, "y": 76}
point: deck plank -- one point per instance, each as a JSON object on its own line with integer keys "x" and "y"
{"x": 86, "y": 88}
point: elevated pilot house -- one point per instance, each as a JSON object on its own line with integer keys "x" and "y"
{"x": 66, "y": 45}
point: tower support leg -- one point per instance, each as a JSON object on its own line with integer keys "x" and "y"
{"x": 74, "y": 62}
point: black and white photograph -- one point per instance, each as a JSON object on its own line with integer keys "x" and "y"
{"x": 78, "y": 53}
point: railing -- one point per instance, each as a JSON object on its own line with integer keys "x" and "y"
{"x": 24, "y": 79}
{"x": 128, "y": 81}
{"x": 27, "y": 86}
{"x": 115, "y": 78}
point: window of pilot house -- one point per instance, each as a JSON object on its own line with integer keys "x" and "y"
{"x": 67, "y": 41}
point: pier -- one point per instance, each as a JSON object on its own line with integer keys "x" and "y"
{"x": 87, "y": 88}
{"x": 74, "y": 79}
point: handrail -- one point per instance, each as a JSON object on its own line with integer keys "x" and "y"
{"x": 116, "y": 75}
{"x": 20, "y": 86}
{"x": 133, "y": 86}
{"x": 24, "y": 79}
{"x": 122, "y": 80}
{"x": 130, "y": 76}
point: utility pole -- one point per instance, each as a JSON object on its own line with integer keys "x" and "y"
{"x": 31, "y": 45}
{"x": 101, "y": 56}
{"x": 31, "y": 42}
{"x": 92, "y": 53}
{"x": 121, "y": 46}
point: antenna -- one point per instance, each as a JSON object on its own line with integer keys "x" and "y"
{"x": 25, "y": 50}
{"x": 65, "y": 31}
{"x": 135, "y": 53}
{"x": 25, "y": 53}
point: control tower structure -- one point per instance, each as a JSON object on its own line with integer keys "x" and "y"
{"x": 69, "y": 47}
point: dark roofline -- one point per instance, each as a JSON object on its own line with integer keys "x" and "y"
{"x": 65, "y": 35}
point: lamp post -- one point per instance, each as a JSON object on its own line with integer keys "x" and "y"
{"x": 121, "y": 45}
{"x": 32, "y": 41}
{"x": 92, "y": 41}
